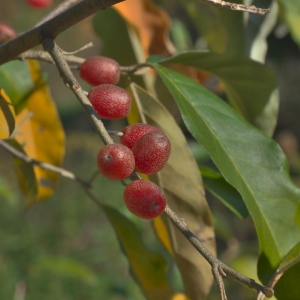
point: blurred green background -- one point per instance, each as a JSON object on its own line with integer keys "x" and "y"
{"x": 65, "y": 248}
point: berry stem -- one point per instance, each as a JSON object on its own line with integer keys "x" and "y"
{"x": 116, "y": 133}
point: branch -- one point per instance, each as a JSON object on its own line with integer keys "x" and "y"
{"x": 59, "y": 9}
{"x": 240, "y": 7}
{"x": 52, "y": 28}
{"x": 42, "y": 165}
{"x": 217, "y": 265}
{"x": 219, "y": 269}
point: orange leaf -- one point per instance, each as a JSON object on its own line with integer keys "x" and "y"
{"x": 41, "y": 135}
{"x": 151, "y": 23}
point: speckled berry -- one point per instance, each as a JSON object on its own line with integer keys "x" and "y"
{"x": 6, "y": 33}
{"x": 110, "y": 101}
{"x": 134, "y": 132}
{"x": 98, "y": 70}
{"x": 115, "y": 161}
{"x": 40, "y": 3}
{"x": 144, "y": 199}
{"x": 151, "y": 152}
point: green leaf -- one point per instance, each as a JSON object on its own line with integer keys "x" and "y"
{"x": 148, "y": 267}
{"x": 181, "y": 182}
{"x": 291, "y": 11}
{"x": 223, "y": 29}
{"x": 250, "y": 86}
{"x": 16, "y": 80}
{"x": 25, "y": 174}
{"x": 7, "y": 116}
{"x": 249, "y": 160}
{"x": 226, "y": 193}
{"x": 292, "y": 258}
{"x": 66, "y": 267}
{"x": 258, "y": 28}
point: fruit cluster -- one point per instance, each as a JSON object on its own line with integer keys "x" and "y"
{"x": 143, "y": 148}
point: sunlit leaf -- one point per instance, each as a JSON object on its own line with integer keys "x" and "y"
{"x": 182, "y": 184}
{"x": 26, "y": 175}
{"x": 249, "y": 160}
{"x": 7, "y": 116}
{"x": 15, "y": 79}
{"x": 147, "y": 267}
{"x": 66, "y": 267}
{"x": 221, "y": 189}
{"x": 41, "y": 134}
{"x": 250, "y": 86}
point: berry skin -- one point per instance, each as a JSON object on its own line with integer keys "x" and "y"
{"x": 134, "y": 132}
{"x": 110, "y": 101}
{"x": 151, "y": 152}
{"x": 144, "y": 199}
{"x": 115, "y": 161}
{"x": 6, "y": 33}
{"x": 98, "y": 70}
{"x": 40, "y": 3}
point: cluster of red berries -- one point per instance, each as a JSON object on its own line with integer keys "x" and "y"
{"x": 143, "y": 148}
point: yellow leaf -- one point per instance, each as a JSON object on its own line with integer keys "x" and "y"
{"x": 41, "y": 135}
{"x": 7, "y": 116}
{"x": 179, "y": 296}
{"x": 163, "y": 235}
{"x": 151, "y": 23}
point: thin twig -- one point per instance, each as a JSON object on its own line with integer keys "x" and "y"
{"x": 52, "y": 28}
{"x": 240, "y": 7}
{"x": 116, "y": 133}
{"x": 87, "y": 46}
{"x": 134, "y": 68}
{"x": 59, "y": 9}
{"x": 212, "y": 260}
{"x": 67, "y": 75}
{"x": 42, "y": 165}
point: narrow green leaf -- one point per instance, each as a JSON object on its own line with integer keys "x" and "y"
{"x": 223, "y": 29}
{"x": 292, "y": 258}
{"x": 16, "y": 80}
{"x": 25, "y": 174}
{"x": 291, "y": 14}
{"x": 250, "y": 86}
{"x": 258, "y": 28}
{"x": 249, "y": 160}
{"x": 148, "y": 267}
{"x": 226, "y": 193}
{"x": 181, "y": 182}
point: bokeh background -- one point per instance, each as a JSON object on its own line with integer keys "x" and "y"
{"x": 65, "y": 248}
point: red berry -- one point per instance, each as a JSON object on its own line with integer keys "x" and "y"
{"x": 134, "y": 132}
{"x": 144, "y": 199}
{"x": 110, "y": 101}
{"x": 39, "y": 3}
{"x": 115, "y": 161}
{"x": 6, "y": 33}
{"x": 98, "y": 70}
{"x": 151, "y": 152}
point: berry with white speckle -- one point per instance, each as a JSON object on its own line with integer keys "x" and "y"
{"x": 115, "y": 161}
{"x": 132, "y": 133}
{"x": 144, "y": 199}
{"x": 110, "y": 101}
{"x": 151, "y": 152}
